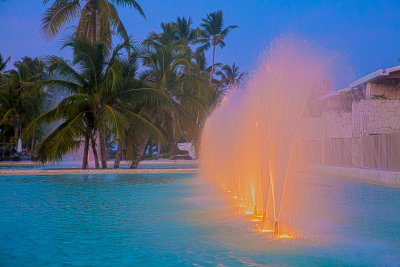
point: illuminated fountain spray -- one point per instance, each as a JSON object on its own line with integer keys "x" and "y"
{"x": 248, "y": 144}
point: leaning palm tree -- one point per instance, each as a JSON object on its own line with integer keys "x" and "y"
{"x": 98, "y": 19}
{"x": 230, "y": 76}
{"x": 3, "y": 63}
{"x": 214, "y": 33}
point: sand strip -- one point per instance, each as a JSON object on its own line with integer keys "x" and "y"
{"x": 110, "y": 163}
{"x": 24, "y": 172}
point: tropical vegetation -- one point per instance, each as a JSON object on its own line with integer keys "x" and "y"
{"x": 122, "y": 101}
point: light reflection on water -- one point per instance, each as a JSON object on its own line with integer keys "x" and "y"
{"x": 176, "y": 219}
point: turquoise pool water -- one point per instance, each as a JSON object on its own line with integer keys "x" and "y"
{"x": 176, "y": 220}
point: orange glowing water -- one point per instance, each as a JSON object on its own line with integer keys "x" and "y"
{"x": 249, "y": 142}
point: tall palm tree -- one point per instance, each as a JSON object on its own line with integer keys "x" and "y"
{"x": 98, "y": 19}
{"x": 185, "y": 33}
{"x": 230, "y": 76}
{"x": 214, "y": 33}
{"x": 181, "y": 33}
{"x": 167, "y": 36}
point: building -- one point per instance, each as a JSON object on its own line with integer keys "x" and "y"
{"x": 358, "y": 126}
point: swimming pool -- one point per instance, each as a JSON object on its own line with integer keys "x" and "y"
{"x": 176, "y": 219}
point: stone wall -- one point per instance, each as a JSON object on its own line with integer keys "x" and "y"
{"x": 389, "y": 91}
{"x": 376, "y": 117}
{"x": 341, "y": 133}
{"x": 331, "y": 124}
{"x": 338, "y": 124}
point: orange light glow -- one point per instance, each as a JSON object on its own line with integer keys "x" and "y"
{"x": 251, "y": 143}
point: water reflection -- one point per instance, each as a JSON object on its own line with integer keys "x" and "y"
{"x": 176, "y": 219}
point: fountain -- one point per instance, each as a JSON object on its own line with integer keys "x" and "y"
{"x": 249, "y": 143}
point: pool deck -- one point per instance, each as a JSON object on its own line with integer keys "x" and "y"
{"x": 23, "y": 172}
{"x": 109, "y": 162}
{"x": 380, "y": 177}
{"x": 78, "y": 171}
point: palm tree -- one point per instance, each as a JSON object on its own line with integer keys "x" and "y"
{"x": 98, "y": 19}
{"x": 19, "y": 102}
{"x": 167, "y": 36}
{"x": 230, "y": 76}
{"x": 185, "y": 34}
{"x": 97, "y": 104}
{"x": 214, "y": 33}
{"x": 164, "y": 65}
{"x": 180, "y": 33}
{"x": 3, "y": 63}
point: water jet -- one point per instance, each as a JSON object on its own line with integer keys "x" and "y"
{"x": 256, "y": 158}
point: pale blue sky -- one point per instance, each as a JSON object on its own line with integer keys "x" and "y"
{"x": 361, "y": 35}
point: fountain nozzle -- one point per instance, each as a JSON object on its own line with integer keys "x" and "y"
{"x": 276, "y": 233}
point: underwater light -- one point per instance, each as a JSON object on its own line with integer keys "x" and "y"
{"x": 285, "y": 236}
{"x": 235, "y": 197}
{"x": 266, "y": 231}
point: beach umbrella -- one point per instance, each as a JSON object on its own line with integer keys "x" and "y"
{"x": 19, "y": 146}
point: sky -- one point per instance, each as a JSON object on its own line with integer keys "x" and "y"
{"x": 359, "y": 36}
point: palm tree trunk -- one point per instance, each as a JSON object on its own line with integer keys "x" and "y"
{"x": 94, "y": 25}
{"x": 85, "y": 152}
{"x": 16, "y": 134}
{"x": 33, "y": 145}
{"x": 212, "y": 66}
{"x": 96, "y": 157}
{"x": 118, "y": 155}
{"x": 173, "y": 149}
{"x": 103, "y": 155}
{"x": 140, "y": 152}
{"x": 158, "y": 150}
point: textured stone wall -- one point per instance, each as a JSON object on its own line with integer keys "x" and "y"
{"x": 376, "y": 117}
{"x": 368, "y": 117}
{"x": 312, "y": 128}
{"x": 389, "y": 91}
{"x": 338, "y": 124}
{"x": 332, "y": 124}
